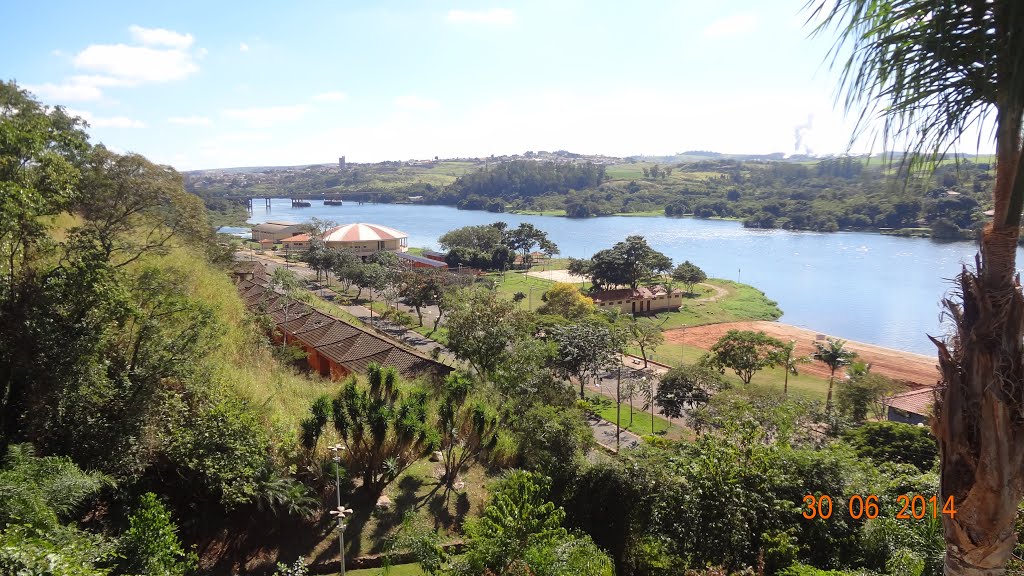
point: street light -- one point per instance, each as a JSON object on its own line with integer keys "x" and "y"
{"x": 336, "y": 450}
{"x": 341, "y": 512}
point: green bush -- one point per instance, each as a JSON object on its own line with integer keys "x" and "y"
{"x": 150, "y": 546}
{"x": 895, "y": 442}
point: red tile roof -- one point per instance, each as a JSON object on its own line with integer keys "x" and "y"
{"x": 916, "y": 401}
{"x": 360, "y": 232}
{"x": 353, "y": 347}
{"x": 297, "y": 238}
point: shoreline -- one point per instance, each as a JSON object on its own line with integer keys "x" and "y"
{"x": 913, "y": 369}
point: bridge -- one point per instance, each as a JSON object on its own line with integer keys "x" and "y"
{"x": 302, "y": 199}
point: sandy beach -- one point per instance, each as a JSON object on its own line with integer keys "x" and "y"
{"x": 915, "y": 370}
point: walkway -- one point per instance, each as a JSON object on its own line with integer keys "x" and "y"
{"x": 395, "y": 331}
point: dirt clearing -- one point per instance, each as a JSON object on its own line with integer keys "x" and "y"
{"x": 913, "y": 369}
{"x": 557, "y": 276}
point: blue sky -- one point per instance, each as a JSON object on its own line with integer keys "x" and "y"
{"x": 212, "y": 84}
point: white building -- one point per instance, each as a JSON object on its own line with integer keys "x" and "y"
{"x": 366, "y": 239}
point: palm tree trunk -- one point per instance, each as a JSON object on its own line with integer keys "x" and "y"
{"x": 828, "y": 399}
{"x": 978, "y": 411}
{"x": 978, "y": 424}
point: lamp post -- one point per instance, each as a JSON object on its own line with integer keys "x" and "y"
{"x": 336, "y": 450}
{"x": 341, "y": 512}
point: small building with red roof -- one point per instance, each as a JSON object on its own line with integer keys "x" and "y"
{"x": 297, "y": 242}
{"x": 643, "y": 300}
{"x": 914, "y": 407}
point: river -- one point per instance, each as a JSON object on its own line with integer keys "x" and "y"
{"x": 882, "y": 290}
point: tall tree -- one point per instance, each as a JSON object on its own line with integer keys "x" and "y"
{"x": 480, "y": 327}
{"x": 745, "y": 352}
{"x": 524, "y": 237}
{"x": 790, "y": 363}
{"x": 834, "y": 355}
{"x": 424, "y": 287}
{"x": 644, "y": 335}
{"x": 468, "y": 426}
{"x": 932, "y": 69}
{"x": 689, "y": 274}
{"x": 685, "y": 387}
{"x": 585, "y": 349}
{"x": 628, "y": 263}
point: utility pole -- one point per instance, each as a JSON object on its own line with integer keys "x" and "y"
{"x": 618, "y": 403}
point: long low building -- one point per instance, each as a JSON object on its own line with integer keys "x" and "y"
{"x": 275, "y": 231}
{"x": 334, "y": 348}
{"x": 643, "y": 300}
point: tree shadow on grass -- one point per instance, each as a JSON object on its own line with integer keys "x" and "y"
{"x": 446, "y": 515}
{"x": 362, "y": 505}
{"x": 404, "y": 502}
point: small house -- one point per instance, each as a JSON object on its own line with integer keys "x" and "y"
{"x": 643, "y": 300}
{"x": 914, "y": 407}
{"x": 296, "y": 243}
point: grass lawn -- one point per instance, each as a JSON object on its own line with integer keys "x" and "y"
{"x": 773, "y": 378}
{"x": 440, "y": 336}
{"x": 539, "y": 212}
{"x": 532, "y": 286}
{"x": 742, "y": 302}
{"x": 645, "y": 213}
{"x": 641, "y": 420}
{"x": 397, "y": 570}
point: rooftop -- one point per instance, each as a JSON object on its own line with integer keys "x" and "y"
{"x": 362, "y": 232}
{"x": 916, "y": 401}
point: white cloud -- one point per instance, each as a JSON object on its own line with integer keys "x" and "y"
{"x": 65, "y": 92}
{"x": 136, "y": 64}
{"x": 330, "y": 97}
{"x": 243, "y": 47}
{"x": 261, "y": 117}
{"x": 107, "y": 121}
{"x": 492, "y": 16}
{"x": 412, "y": 102}
{"x": 731, "y": 26}
{"x": 79, "y": 88}
{"x": 160, "y": 37}
{"x": 189, "y": 120}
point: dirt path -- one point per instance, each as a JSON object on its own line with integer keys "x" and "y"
{"x": 557, "y": 276}
{"x": 913, "y": 369}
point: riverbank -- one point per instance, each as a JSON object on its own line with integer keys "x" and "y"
{"x": 917, "y": 370}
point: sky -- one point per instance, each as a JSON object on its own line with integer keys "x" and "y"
{"x": 218, "y": 84}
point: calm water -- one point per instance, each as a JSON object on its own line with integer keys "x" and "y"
{"x": 878, "y": 289}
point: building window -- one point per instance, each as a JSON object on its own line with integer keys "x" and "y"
{"x": 380, "y": 245}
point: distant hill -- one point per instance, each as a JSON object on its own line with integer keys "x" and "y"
{"x": 765, "y": 191}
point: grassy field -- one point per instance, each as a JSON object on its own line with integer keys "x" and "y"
{"x": 641, "y": 420}
{"x": 807, "y": 385}
{"x": 742, "y": 302}
{"x": 533, "y": 287}
{"x": 539, "y": 212}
